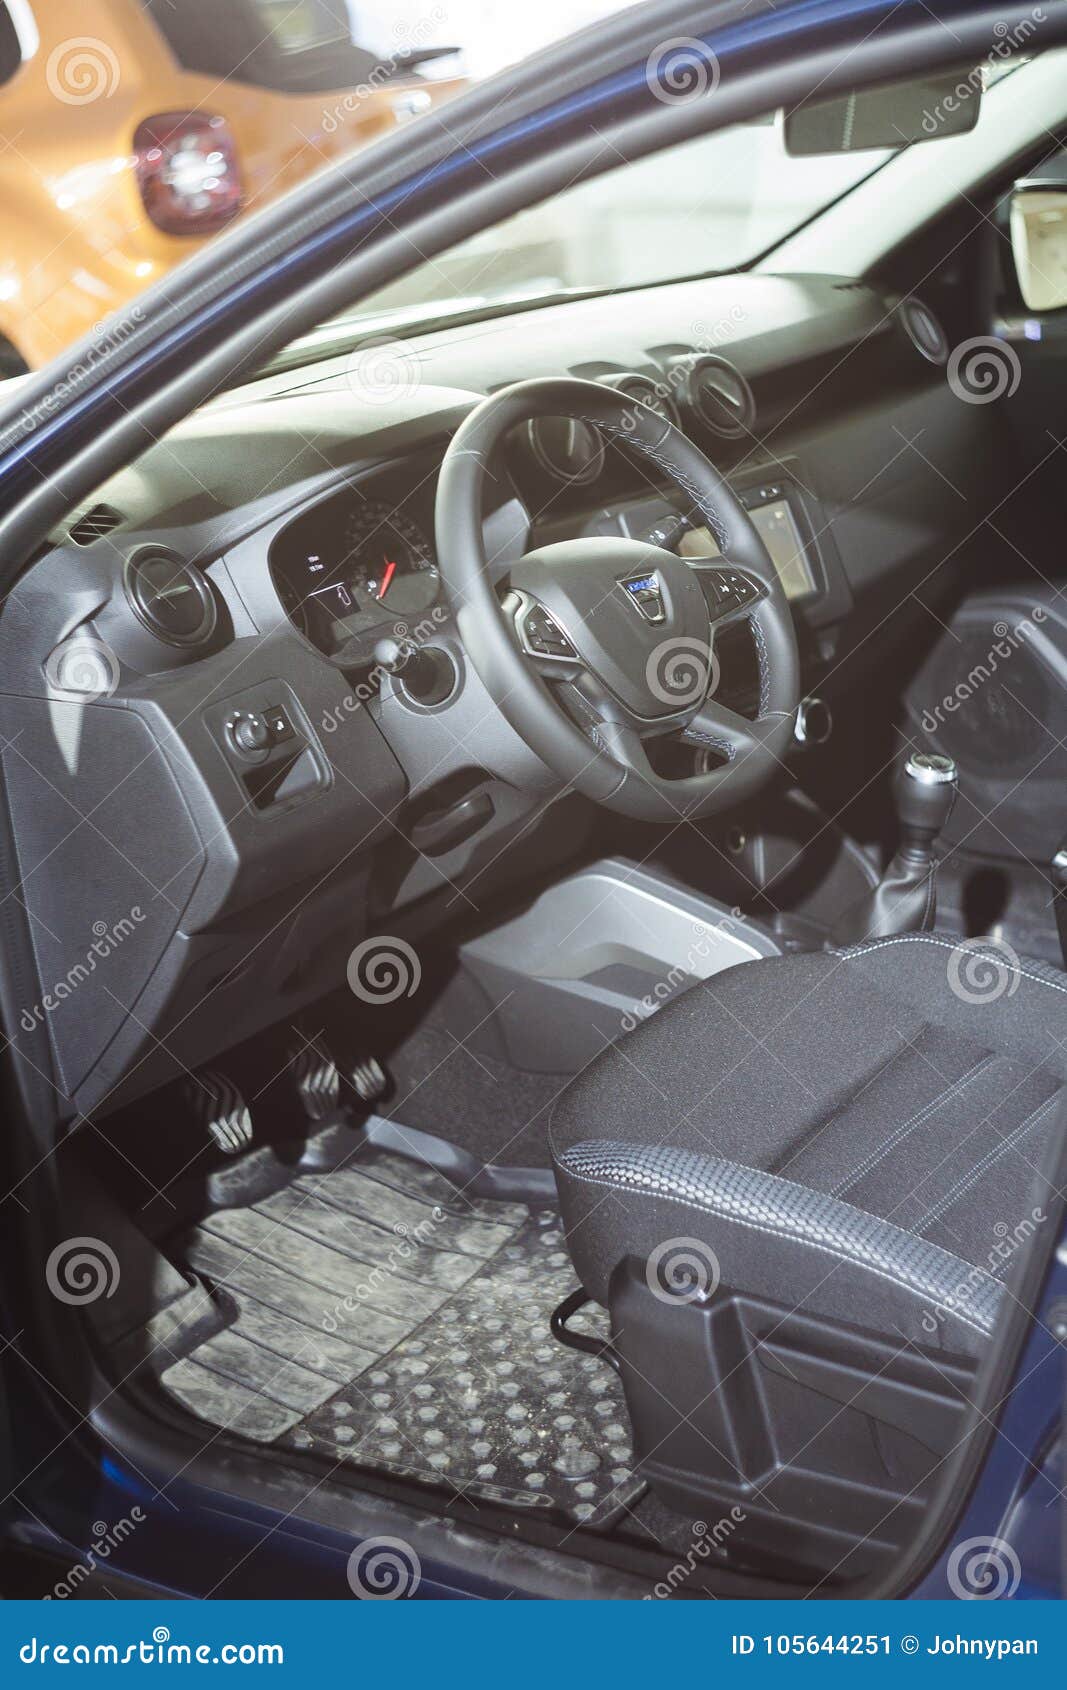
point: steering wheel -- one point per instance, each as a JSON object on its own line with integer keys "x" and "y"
{"x": 618, "y": 635}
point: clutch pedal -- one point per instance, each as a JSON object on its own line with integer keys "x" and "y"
{"x": 222, "y": 1111}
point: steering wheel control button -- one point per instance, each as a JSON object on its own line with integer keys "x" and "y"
{"x": 727, "y": 591}
{"x": 543, "y": 636}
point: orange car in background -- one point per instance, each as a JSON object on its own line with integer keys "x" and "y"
{"x": 133, "y": 130}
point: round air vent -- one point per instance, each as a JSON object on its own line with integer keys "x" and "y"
{"x": 170, "y": 597}
{"x": 566, "y": 449}
{"x": 716, "y": 392}
{"x": 654, "y": 396}
{"x": 923, "y": 330}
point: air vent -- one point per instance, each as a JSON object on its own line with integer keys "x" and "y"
{"x": 923, "y": 330}
{"x": 653, "y": 395}
{"x": 566, "y": 449}
{"x": 716, "y": 392}
{"x": 170, "y": 597}
{"x": 93, "y": 524}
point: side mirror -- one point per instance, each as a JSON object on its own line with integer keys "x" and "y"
{"x": 1038, "y": 218}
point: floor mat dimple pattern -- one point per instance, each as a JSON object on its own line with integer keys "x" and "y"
{"x": 387, "y": 1321}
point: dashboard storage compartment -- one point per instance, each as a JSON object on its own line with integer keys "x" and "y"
{"x": 811, "y": 1442}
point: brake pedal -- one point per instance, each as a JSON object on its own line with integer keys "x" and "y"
{"x": 318, "y": 1083}
{"x": 369, "y": 1080}
{"x": 222, "y": 1111}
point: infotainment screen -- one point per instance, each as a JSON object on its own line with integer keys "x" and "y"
{"x": 777, "y": 528}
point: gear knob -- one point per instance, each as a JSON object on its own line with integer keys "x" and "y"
{"x": 905, "y": 899}
{"x": 925, "y": 789}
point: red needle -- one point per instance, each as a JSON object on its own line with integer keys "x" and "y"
{"x": 383, "y": 585}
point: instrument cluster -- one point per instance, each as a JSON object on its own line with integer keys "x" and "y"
{"x": 352, "y": 569}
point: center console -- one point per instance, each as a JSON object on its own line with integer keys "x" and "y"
{"x": 596, "y": 954}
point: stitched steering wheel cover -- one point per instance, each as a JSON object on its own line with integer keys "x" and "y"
{"x": 599, "y": 765}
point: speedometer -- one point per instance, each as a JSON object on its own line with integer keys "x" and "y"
{"x": 388, "y": 566}
{"x": 352, "y": 569}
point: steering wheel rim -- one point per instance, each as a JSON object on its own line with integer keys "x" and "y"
{"x": 607, "y": 762}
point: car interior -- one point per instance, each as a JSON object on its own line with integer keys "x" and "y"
{"x": 540, "y": 831}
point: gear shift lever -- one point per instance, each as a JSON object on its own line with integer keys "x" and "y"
{"x": 925, "y": 787}
{"x": 904, "y": 901}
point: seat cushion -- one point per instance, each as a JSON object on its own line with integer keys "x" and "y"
{"x": 856, "y": 1133}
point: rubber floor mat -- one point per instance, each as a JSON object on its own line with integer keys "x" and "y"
{"x": 387, "y": 1321}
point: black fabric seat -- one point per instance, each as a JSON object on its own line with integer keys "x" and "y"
{"x": 856, "y": 1134}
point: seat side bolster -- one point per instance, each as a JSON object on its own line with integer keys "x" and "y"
{"x": 780, "y": 1207}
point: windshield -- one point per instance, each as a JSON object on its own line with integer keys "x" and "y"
{"x": 711, "y": 204}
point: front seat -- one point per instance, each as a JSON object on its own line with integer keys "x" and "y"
{"x": 847, "y": 1144}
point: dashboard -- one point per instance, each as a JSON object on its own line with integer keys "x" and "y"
{"x": 362, "y": 564}
{"x": 195, "y": 660}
